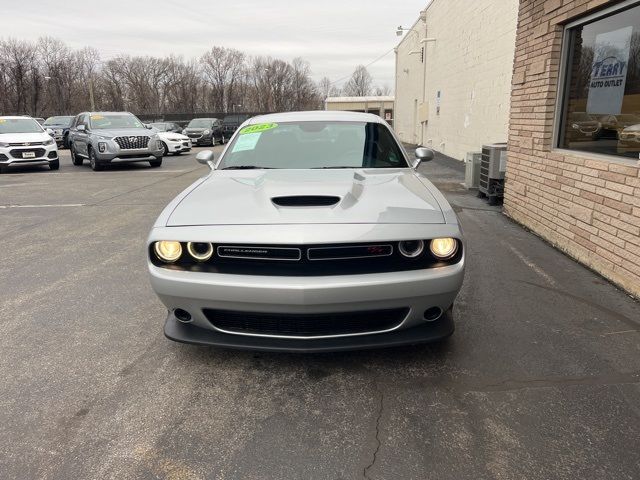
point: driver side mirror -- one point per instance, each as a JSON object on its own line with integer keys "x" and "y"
{"x": 423, "y": 154}
{"x": 206, "y": 157}
{"x": 148, "y": 126}
{"x": 50, "y": 132}
{"x": 81, "y": 128}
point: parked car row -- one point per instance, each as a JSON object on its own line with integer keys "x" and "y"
{"x": 104, "y": 138}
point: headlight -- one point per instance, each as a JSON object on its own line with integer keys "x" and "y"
{"x": 206, "y": 132}
{"x": 4, "y": 145}
{"x": 46, "y": 142}
{"x": 102, "y": 147}
{"x": 168, "y": 251}
{"x": 173, "y": 139}
{"x": 444, "y": 248}
{"x": 411, "y": 248}
{"x": 200, "y": 251}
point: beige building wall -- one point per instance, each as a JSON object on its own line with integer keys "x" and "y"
{"x": 469, "y": 51}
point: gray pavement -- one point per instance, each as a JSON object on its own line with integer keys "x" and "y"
{"x": 540, "y": 380}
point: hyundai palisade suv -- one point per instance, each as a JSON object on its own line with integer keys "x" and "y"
{"x": 314, "y": 231}
{"x": 23, "y": 141}
{"x": 106, "y": 138}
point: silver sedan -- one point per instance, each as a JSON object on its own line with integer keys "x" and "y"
{"x": 312, "y": 232}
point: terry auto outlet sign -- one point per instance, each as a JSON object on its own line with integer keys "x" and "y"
{"x": 609, "y": 71}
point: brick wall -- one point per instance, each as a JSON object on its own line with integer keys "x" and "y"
{"x": 587, "y": 206}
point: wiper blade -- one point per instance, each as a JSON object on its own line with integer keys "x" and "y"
{"x": 246, "y": 167}
{"x": 338, "y": 166}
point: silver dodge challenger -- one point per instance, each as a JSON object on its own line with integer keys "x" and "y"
{"x": 313, "y": 231}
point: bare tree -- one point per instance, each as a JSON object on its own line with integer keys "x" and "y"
{"x": 359, "y": 85}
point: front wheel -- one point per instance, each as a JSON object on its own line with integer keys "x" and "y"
{"x": 155, "y": 163}
{"x": 75, "y": 158}
{"x": 165, "y": 149}
{"x": 96, "y": 166}
{"x": 223, "y": 140}
{"x": 55, "y": 165}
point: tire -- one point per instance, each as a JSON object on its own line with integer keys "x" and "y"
{"x": 165, "y": 149}
{"x": 155, "y": 163}
{"x": 213, "y": 140}
{"x": 55, "y": 165}
{"x": 65, "y": 141}
{"x": 75, "y": 158}
{"x": 222, "y": 140}
{"x": 96, "y": 166}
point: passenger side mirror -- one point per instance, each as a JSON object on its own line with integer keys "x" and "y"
{"x": 423, "y": 154}
{"x": 148, "y": 126}
{"x": 50, "y": 132}
{"x": 206, "y": 157}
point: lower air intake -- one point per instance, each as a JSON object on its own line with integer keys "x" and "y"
{"x": 306, "y": 325}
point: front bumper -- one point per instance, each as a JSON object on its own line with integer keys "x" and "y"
{"x": 44, "y": 155}
{"x": 429, "y": 332}
{"x": 417, "y": 290}
{"x": 113, "y": 154}
{"x": 178, "y": 146}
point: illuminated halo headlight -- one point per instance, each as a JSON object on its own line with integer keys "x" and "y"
{"x": 168, "y": 251}
{"x": 201, "y": 251}
{"x": 444, "y": 248}
{"x": 411, "y": 248}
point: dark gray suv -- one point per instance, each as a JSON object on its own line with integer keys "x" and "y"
{"x": 205, "y": 131}
{"x": 105, "y": 138}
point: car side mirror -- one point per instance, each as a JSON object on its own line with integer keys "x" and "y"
{"x": 423, "y": 154}
{"x": 206, "y": 157}
{"x": 50, "y": 132}
{"x": 81, "y": 128}
{"x": 148, "y": 126}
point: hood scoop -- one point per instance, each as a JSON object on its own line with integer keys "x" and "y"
{"x": 306, "y": 201}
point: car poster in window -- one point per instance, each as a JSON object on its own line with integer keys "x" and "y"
{"x": 609, "y": 71}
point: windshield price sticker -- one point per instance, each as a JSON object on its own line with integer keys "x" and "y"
{"x": 246, "y": 142}
{"x": 261, "y": 127}
{"x": 96, "y": 117}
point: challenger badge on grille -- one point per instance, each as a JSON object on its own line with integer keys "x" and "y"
{"x": 259, "y": 253}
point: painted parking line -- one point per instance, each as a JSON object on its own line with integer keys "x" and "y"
{"x": 46, "y": 205}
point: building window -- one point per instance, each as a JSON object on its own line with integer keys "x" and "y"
{"x": 601, "y": 101}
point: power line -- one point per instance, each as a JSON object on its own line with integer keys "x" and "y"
{"x": 367, "y": 65}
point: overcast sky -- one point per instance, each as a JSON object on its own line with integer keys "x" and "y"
{"x": 333, "y": 35}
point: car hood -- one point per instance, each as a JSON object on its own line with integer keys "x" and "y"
{"x": 24, "y": 137}
{"x": 165, "y": 135}
{"x": 254, "y": 197}
{"x": 123, "y": 132}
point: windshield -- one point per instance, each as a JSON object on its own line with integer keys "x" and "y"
{"x": 314, "y": 145}
{"x": 124, "y": 120}
{"x": 160, "y": 127}
{"x": 66, "y": 121}
{"x": 19, "y": 125}
{"x": 200, "y": 123}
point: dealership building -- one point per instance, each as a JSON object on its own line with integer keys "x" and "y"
{"x": 559, "y": 80}
{"x": 573, "y": 175}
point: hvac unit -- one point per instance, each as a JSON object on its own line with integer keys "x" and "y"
{"x": 492, "y": 168}
{"x": 472, "y": 170}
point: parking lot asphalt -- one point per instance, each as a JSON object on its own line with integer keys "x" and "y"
{"x": 540, "y": 380}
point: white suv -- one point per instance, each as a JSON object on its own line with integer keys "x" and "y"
{"x": 24, "y": 142}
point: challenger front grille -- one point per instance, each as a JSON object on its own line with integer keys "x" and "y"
{"x": 307, "y": 260}
{"x": 306, "y": 325}
{"x": 133, "y": 142}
